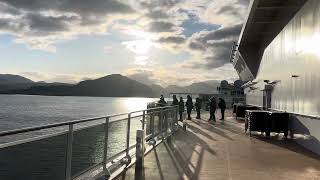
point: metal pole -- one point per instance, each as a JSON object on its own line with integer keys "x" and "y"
{"x": 160, "y": 120}
{"x": 139, "y": 166}
{"x": 128, "y": 134}
{"x": 150, "y": 124}
{"x": 105, "y": 154}
{"x": 69, "y": 152}
{"x": 143, "y": 119}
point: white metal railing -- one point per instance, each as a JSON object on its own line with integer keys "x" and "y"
{"x": 166, "y": 120}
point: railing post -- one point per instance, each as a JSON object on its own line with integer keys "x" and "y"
{"x": 69, "y": 152}
{"x": 143, "y": 119}
{"x": 128, "y": 158}
{"x": 105, "y": 154}
{"x": 152, "y": 129}
{"x": 151, "y": 125}
{"x": 161, "y": 122}
{"x": 139, "y": 166}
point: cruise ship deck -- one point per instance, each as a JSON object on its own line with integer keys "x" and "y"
{"x": 223, "y": 151}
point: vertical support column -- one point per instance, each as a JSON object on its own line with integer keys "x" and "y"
{"x": 69, "y": 152}
{"x": 105, "y": 154}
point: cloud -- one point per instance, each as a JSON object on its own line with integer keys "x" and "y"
{"x": 142, "y": 46}
{"x": 225, "y": 12}
{"x": 172, "y": 39}
{"x": 162, "y": 26}
{"x": 42, "y": 23}
{"x": 212, "y": 48}
{"x": 205, "y": 29}
{"x": 141, "y": 60}
{"x": 178, "y": 75}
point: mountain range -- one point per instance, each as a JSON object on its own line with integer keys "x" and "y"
{"x": 114, "y": 85}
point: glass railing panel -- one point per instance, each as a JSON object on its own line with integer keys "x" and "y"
{"x": 117, "y": 137}
{"x": 88, "y": 145}
{"x": 38, "y": 159}
{"x": 136, "y": 124}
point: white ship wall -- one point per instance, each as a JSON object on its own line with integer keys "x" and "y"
{"x": 293, "y": 59}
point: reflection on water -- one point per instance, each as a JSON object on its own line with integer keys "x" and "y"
{"x": 18, "y": 111}
{"x": 45, "y": 159}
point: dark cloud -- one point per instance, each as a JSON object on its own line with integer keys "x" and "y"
{"x": 81, "y": 7}
{"x": 215, "y": 46}
{"x": 157, "y": 14}
{"x": 172, "y": 39}
{"x": 163, "y": 4}
{"x": 40, "y": 18}
{"x": 229, "y": 10}
{"x": 48, "y": 24}
{"x": 161, "y": 26}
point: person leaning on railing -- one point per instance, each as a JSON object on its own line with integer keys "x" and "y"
{"x": 198, "y": 107}
{"x": 181, "y": 108}
{"x": 189, "y": 105}
{"x": 162, "y": 102}
{"x": 222, "y": 106}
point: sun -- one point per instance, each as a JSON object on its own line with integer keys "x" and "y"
{"x": 140, "y": 47}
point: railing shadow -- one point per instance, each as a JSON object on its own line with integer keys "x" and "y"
{"x": 288, "y": 144}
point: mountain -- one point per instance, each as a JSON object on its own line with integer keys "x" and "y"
{"x": 10, "y": 82}
{"x": 200, "y": 87}
{"x": 114, "y": 85}
{"x": 13, "y": 79}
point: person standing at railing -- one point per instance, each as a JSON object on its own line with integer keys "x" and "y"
{"x": 162, "y": 102}
{"x": 181, "y": 108}
{"x": 213, "y": 107}
{"x": 198, "y": 107}
{"x": 189, "y": 105}
{"x": 222, "y": 106}
{"x": 175, "y": 101}
{"x": 163, "y": 114}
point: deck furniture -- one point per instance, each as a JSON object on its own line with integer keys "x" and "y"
{"x": 241, "y": 110}
{"x": 267, "y": 122}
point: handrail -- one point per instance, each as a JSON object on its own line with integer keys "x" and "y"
{"x": 69, "y": 132}
{"x": 73, "y": 122}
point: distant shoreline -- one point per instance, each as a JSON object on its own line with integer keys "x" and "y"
{"x": 74, "y": 96}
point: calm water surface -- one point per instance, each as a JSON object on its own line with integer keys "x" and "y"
{"x": 45, "y": 159}
{"x": 17, "y": 111}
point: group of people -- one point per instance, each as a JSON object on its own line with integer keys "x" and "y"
{"x": 197, "y": 105}
{"x": 213, "y": 107}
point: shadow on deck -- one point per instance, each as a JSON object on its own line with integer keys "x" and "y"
{"x": 222, "y": 151}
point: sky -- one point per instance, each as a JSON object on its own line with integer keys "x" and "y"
{"x": 166, "y": 42}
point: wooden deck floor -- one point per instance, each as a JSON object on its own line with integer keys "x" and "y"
{"x": 222, "y": 151}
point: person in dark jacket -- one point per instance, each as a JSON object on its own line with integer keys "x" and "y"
{"x": 198, "y": 107}
{"x": 212, "y": 108}
{"x": 189, "y": 105}
{"x": 222, "y": 106}
{"x": 181, "y": 108}
{"x": 162, "y": 102}
{"x": 175, "y": 101}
